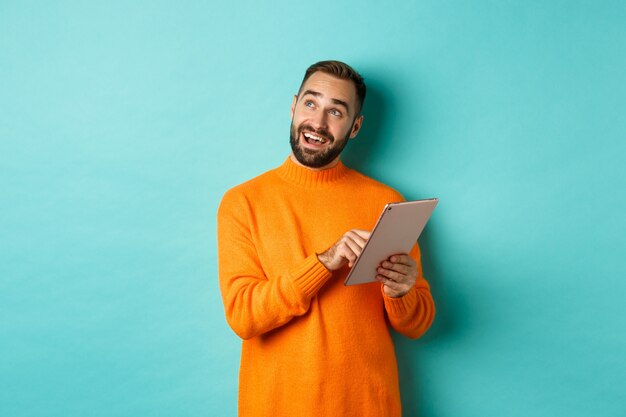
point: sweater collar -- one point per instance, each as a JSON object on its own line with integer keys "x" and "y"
{"x": 297, "y": 174}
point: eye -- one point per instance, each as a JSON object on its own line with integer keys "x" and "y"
{"x": 335, "y": 112}
{"x": 309, "y": 103}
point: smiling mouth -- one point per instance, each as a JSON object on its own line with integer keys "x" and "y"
{"x": 314, "y": 139}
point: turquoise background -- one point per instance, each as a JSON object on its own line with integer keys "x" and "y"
{"x": 123, "y": 123}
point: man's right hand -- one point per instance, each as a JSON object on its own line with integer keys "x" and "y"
{"x": 345, "y": 250}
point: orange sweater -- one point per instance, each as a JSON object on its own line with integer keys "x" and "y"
{"x": 312, "y": 346}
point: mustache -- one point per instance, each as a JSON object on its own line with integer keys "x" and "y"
{"x": 320, "y": 132}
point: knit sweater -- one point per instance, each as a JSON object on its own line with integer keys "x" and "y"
{"x": 311, "y": 346}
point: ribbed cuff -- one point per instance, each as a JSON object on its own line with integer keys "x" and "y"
{"x": 310, "y": 276}
{"x": 401, "y": 306}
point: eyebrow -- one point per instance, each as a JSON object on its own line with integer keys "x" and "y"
{"x": 334, "y": 100}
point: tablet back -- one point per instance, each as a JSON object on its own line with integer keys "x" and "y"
{"x": 396, "y": 231}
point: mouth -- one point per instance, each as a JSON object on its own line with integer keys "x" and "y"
{"x": 314, "y": 139}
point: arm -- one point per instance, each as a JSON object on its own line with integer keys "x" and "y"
{"x": 254, "y": 303}
{"x": 406, "y": 295}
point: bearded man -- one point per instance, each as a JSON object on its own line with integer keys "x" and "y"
{"x": 286, "y": 241}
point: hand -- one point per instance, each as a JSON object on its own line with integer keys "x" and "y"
{"x": 397, "y": 274}
{"x": 345, "y": 250}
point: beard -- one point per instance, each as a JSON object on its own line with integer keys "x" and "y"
{"x": 315, "y": 158}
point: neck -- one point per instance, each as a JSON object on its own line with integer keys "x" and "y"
{"x": 331, "y": 164}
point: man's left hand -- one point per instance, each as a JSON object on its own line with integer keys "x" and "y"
{"x": 397, "y": 274}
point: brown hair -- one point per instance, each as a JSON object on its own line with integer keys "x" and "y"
{"x": 339, "y": 70}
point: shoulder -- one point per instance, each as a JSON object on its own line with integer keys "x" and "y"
{"x": 370, "y": 186}
{"x": 241, "y": 194}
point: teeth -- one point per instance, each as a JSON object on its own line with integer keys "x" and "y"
{"x": 314, "y": 137}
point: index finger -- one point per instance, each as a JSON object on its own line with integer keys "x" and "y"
{"x": 363, "y": 233}
{"x": 403, "y": 259}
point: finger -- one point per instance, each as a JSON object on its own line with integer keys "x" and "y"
{"x": 384, "y": 280}
{"x": 390, "y": 284}
{"x": 348, "y": 250}
{"x": 408, "y": 279}
{"x": 358, "y": 239}
{"x": 347, "y": 254}
{"x": 403, "y": 259}
{"x": 354, "y": 247}
{"x": 401, "y": 268}
{"x": 365, "y": 234}
{"x": 392, "y": 275}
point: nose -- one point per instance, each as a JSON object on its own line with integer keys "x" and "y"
{"x": 320, "y": 120}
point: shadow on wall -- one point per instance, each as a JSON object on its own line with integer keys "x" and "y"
{"x": 360, "y": 155}
{"x": 363, "y": 149}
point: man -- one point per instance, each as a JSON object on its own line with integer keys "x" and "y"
{"x": 287, "y": 239}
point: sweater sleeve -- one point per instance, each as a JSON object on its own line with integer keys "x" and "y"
{"x": 413, "y": 313}
{"x": 253, "y": 302}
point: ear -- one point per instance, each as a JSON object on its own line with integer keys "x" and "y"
{"x": 356, "y": 126}
{"x": 293, "y": 105}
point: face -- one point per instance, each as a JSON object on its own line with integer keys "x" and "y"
{"x": 323, "y": 119}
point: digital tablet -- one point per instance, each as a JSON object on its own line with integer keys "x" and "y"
{"x": 396, "y": 231}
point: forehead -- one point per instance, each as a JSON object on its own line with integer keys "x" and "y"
{"x": 331, "y": 87}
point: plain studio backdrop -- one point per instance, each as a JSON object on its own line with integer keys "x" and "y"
{"x": 123, "y": 123}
